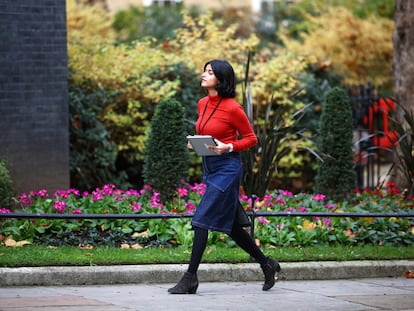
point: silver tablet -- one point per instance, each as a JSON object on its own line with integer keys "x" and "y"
{"x": 200, "y": 143}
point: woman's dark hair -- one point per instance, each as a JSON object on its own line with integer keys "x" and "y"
{"x": 224, "y": 72}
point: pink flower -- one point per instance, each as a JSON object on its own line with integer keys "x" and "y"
{"x": 290, "y": 209}
{"x": 182, "y": 192}
{"x": 132, "y": 193}
{"x": 319, "y": 197}
{"x": 155, "y": 201}
{"x": 42, "y": 193}
{"x": 190, "y": 206}
{"x": 25, "y": 199}
{"x": 77, "y": 211}
{"x": 61, "y": 194}
{"x": 245, "y": 198}
{"x": 198, "y": 188}
{"x": 280, "y": 201}
{"x": 302, "y": 209}
{"x": 59, "y": 206}
{"x": 4, "y": 211}
{"x": 97, "y": 195}
{"x": 329, "y": 206}
{"x": 327, "y": 222}
{"x": 267, "y": 199}
{"x": 108, "y": 189}
{"x": 136, "y": 206}
{"x": 263, "y": 220}
{"x": 286, "y": 193}
{"x": 74, "y": 192}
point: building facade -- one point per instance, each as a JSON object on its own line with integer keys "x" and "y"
{"x": 34, "y": 130}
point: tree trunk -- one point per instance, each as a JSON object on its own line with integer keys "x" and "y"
{"x": 403, "y": 67}
{"x": 403, "y": 71}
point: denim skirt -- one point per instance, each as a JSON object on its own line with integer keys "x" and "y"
{"x": 218, "y": 206}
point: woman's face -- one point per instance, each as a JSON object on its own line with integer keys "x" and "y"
{"x": 208, "y": 79}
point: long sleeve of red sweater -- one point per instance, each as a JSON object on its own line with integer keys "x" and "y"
{"x": 225, "y": 122}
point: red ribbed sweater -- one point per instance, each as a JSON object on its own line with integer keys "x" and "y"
{"x": 227, "y": 121}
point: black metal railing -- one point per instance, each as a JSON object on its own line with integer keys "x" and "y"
{"x": 188, "y": 215}
{"x": 251, "y": 214}
{"x": 368, "y": 156}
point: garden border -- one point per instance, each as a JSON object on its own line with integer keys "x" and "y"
{"x": 251, "y": 214}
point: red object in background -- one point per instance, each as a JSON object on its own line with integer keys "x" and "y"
{"x": 377, "y": 121}
{"x": 409, "y": 274}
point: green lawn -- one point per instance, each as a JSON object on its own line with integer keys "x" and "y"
{"x": 32, "y": 255}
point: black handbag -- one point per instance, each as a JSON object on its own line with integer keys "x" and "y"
{"x": 242, "y": 217}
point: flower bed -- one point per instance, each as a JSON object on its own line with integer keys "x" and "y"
{"x": 269, "y": 231}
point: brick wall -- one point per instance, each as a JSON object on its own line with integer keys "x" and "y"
{"x": 34, "y": 135}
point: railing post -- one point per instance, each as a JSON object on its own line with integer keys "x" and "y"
{"x": 252, "y": 216}
{"x": 252, "y": 220}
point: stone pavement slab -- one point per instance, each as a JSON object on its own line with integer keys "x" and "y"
{"x": 49, "y": 303}
{"x": 168, "y": 273}
{"x": 322, "y": 295}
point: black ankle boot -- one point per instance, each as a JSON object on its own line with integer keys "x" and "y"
{"x": 269, "y": 269}
{"x": 187, "y": 285}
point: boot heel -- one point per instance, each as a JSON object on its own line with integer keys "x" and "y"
{"x": 193, "y": 290}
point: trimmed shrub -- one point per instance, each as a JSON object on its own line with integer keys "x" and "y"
{"x": 166, "y": 153}
{"x": 336, "y": 177}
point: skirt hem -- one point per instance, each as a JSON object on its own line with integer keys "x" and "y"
{"x": 211, "y": 228}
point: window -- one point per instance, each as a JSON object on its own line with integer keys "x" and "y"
{"x": 162, "y": 2}
{"x": 266, "y": 6}
{"x": 261, "y": 6}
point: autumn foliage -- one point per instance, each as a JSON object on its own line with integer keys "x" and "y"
{"x": 133, "y": 78}
{"x": 358, "y": 49}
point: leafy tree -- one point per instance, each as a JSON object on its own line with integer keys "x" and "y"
{"x": 88, "y": 24}
{"x": 359, "y": 50}
{"x": 362, "y": 9}
{"x": 166, "y": 154}
{"x": 128, "y": 79}
{"x": 92, "y": 152}
{"x": 152, "y": 21}
{"x": 336, "y": 177}
{"x": 204, "y": 33}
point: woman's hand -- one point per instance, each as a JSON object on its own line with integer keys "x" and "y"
{"x": 221, "y": 148}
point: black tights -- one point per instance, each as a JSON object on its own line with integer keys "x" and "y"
{"x": 238, "y": 234}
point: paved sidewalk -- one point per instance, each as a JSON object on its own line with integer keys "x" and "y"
{"x": 330, "y": 295}
{"x": 342, "y": 286}
{"x": 169, "y": 273}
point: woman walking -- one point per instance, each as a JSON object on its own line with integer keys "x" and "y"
{"x": 220, "y": 116}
